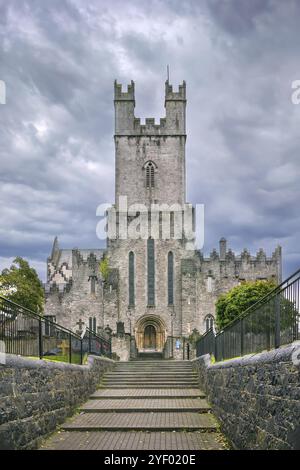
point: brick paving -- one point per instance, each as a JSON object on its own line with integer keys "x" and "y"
{"x": 167, "y": 420}
{"x": 134, "y": 441}
{"x": 146, "y": 392}
{"x": 143, "y": 406}
{"x": 157, "y": 404}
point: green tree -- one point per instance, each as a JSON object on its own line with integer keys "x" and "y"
{"x": 232, "y": 304}
{"x": 20, "y": 283}
{"x": 104, "y": 269}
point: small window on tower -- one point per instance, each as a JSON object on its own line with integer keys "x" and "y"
{"x": 149, "y": 168}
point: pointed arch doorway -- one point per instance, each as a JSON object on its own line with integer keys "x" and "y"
{"x": 150, "y": 333}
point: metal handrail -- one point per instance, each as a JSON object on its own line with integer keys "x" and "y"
{"x": 40, "y": 317}
{"x": 10, "y": 327}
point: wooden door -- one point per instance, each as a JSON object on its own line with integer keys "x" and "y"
{"x": 150, "y": 337}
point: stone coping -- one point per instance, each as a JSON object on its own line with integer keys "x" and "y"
{"x": 282, "y": 354}
{"x": 21, "y": 362}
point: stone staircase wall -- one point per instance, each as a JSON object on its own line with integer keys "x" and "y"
{"x": 37, "y": 395}
{"x": 256, "y": 398}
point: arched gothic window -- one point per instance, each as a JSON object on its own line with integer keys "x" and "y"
{"x": 150, "y": 169}
{"x": 209, "y": 322}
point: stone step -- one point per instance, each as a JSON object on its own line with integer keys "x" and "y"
{"x": 149, "y": 404}
{"x": 135, "y": 440}
{"x": 153, "y": 385}
{"x": 145, "y": 367}
{"x": 150, "y": 356}
{"x": 150, "y": 384}
{"x": 148, "y": 374}
{"x": 158, "y": 421}
{"x": 156, "y": 363}
{"x": 149, "y": 377}
{"x": 141, "y": 393}
{"x": 152, "y": 371}
{"x": 172, "y": 369}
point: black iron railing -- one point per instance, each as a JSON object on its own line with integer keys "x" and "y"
{"x": 206, "y": 344}
{"x": 26, "y": 333}
{"x": 269, "y": 323}
{"x": 98, "y": 344}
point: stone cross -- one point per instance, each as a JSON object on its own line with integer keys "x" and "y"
{"x": 80, "y": 323}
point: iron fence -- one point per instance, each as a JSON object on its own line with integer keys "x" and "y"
{"x": 206, "y": 344}
{"x": 98, "y": 344}
{"x": 269, "y": 323}
{"x": 26, "y": 333}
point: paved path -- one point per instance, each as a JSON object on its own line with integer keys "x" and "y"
{"x": 151, "y": 405}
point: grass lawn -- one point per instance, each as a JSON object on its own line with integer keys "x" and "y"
{"x": 63, "y": 358}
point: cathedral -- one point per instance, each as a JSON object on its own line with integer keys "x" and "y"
{"x": 150, "y": 288}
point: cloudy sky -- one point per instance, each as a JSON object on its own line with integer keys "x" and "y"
{"x": 59, "y": 59}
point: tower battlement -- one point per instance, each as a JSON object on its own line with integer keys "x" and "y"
{"x": 171, "y": 95}
{"x": 127, "y": 124}
{"x": 124, "y": 95}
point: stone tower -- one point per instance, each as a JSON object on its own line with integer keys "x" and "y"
{"x": 162, "y": 144}
{"x": 150, "y": 170}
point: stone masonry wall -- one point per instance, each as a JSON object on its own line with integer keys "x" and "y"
{"x": 256, "y": 398}
{"x": 36, "y": 396}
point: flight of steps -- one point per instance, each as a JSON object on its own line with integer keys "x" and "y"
{"x": 148, "y": 356}
{"x": 152, "y": 405}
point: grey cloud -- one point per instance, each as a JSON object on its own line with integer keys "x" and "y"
{"x": 238, "y": 16}
{"x": 59, "y": 60}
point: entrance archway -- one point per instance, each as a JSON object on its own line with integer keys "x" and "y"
{"x": 150, "y": 337}
{"x": 150, "y": 333}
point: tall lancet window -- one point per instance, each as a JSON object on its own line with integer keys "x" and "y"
{"x": 170, "y": 278}
{"x": 150, "y": 169}
{"x": 131, "y": 279}
{"x": 151, "y": 271}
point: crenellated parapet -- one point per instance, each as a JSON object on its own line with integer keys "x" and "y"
{"x": 67, "y": 267}
{"x": 58, "y": 274}
{"x": 241, "y": 266}
{"x": 245, "y": 256}
{"x": 171, "y": 95}
{"x": 150, "y": 127}
{"x": 214, "y": 255}
{"x": 124, "y": 95}
{"x": 57, "y": 288}
{"x": 127, "y": 124}
{"x": 230, "y": 256}
{"x": 261, "y": 256}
